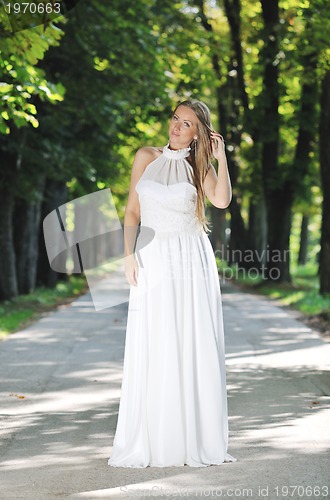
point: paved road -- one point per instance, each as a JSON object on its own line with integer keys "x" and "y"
{"x": 60, "y": 389}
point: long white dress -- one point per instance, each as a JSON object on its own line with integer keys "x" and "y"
{"x": 173, "y": 406}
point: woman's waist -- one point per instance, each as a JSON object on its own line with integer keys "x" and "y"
{"x": 162, "y": 228}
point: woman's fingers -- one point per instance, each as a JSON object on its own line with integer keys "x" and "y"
{"x": 218, "y": 143}
{"x": 132, "y": 278}
{"x": 132, "y": 272}
{"x": 132, "y": 281}
{"x": 216, "y": 135}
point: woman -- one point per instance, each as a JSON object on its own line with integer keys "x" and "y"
{"x": 173, "y": 407}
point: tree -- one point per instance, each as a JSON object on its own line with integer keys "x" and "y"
{"x": 324, "y": 269}
{"x": 20, "y": 83}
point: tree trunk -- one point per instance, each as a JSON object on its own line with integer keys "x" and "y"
{"x": 228, "y": 97}
{"x": 8, "y": 276}
{"x": 218, "y": 235}
{"x": 278, "y": 248}
{"x": 278, "y": 192}
{"x": 233, "y": 13}
{"x": 303, "y": 247}
{"x": 324, "y": 269}
{"x": 257, "y": 233}
{"x": 304, "y": 147}
{"x": 55, "y": 195}
{"x": 27, "y": 224}
{"x": 8, "y": 172}
{"x": 237, "y": 242}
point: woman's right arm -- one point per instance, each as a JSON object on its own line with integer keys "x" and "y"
{"x": 132, "y": 214}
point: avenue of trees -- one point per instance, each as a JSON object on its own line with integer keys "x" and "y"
{"x": 81, "y": 93}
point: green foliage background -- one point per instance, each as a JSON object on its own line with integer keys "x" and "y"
{"x": 81, "y": 93}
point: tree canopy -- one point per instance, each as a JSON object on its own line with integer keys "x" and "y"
{"x": 82, "y": 92}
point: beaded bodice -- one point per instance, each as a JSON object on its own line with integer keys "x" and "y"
{"x": 168, "y": 195}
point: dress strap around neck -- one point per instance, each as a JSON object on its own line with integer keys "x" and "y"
{"x": 175, "y": 154}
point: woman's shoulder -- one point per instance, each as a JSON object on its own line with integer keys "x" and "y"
{"x": 149, "y": 151}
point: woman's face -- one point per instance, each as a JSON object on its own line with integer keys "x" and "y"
{"x": 182, "y": 128}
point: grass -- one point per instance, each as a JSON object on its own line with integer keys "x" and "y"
{"x": 302, "y": 294}
{"x": 19, "y": 312}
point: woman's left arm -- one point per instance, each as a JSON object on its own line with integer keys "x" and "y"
{"x": 218, "y": 187}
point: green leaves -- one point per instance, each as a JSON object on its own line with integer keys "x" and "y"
{"x": 5, "y": 87}
{"x": 20, "y": 78}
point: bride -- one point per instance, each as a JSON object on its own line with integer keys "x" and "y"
{"x": 173, "y": 406}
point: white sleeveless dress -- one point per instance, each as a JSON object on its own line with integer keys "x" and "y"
{"x": 173, "y": 406}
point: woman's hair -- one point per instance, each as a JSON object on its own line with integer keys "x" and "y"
{"x": 201, "y": 154}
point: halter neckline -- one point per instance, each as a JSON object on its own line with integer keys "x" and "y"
{"x": 177, "y": 154}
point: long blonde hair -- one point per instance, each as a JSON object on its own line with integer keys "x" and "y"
{"x": 201, "y": 154}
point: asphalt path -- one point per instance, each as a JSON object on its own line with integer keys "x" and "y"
{"x": 60, "y": 390}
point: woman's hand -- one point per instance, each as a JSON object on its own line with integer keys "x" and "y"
{"x": 131, "y": 269}
{"x": 218, "y": 145}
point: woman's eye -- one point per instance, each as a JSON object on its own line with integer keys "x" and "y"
{"x": 187, "y": 124}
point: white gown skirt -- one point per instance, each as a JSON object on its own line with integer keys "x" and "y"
{"x": 173, "y": 407}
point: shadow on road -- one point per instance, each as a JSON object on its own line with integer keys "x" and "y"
{"x": 55, "y": 441}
